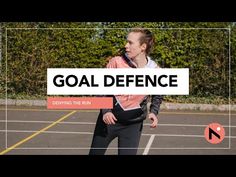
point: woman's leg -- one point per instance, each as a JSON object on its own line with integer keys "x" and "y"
{"x": 101, "y": 138}
{"x": 128, "y": 139}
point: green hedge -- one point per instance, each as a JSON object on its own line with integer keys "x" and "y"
{"x": 34, "y": 47}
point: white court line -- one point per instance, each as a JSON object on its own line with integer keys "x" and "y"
{"x": 6, "y": 80}
{"x": 93, "y": 123}
{"x": 187, "y": 125}
{"x": 47, "y": 122}
{"x": 149, "y": 144}
{"x": 229, "y": 88}
{"x": 90, "y": 133}
{"x": 78, "y": 28}
{"x": 78, "y": 148}
{"x": 54, "y": 132}
{"x": 49, "y": 110}
{"x": 93, "y": 111}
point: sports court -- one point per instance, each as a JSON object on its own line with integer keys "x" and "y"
{"x": 37, "y": 131}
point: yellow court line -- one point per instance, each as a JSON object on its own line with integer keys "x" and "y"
{"x": 36, "y": 133}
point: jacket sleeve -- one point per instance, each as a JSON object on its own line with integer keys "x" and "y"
{"x": 104, "y": 111}
{"x": 156, "y": 101}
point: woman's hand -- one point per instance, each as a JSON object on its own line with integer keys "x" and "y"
{"x": 154, "y": 120}
{"x": 109, "y": 118}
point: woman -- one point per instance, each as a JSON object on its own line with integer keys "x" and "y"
{"x": 125, "y": 120}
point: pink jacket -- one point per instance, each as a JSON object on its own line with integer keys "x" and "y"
{"x": 129, "y": 102}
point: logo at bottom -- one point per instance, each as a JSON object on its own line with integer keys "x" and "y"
{"x": 214, "y": 133}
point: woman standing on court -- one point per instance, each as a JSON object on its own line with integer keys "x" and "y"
{"x": 125, "y": 120}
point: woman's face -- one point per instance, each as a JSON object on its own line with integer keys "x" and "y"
{"x": 133, "y": 47}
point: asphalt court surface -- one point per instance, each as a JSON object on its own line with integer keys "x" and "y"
{"x": 22, "y": 131}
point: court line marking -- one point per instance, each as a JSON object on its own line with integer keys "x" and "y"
{"x": 91, "y": 133}
{"x": 149, "y": 144}
{"x": 62, "y": 110}
{"x": 67, "y": 148}
{"x": 43, "y": 110}
{"x": 93, "y": 123}
{"x": 35, "y": 134}
{"x": 109, "y": 28}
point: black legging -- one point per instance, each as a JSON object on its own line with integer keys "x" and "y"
{"x": 128, "y": 137}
